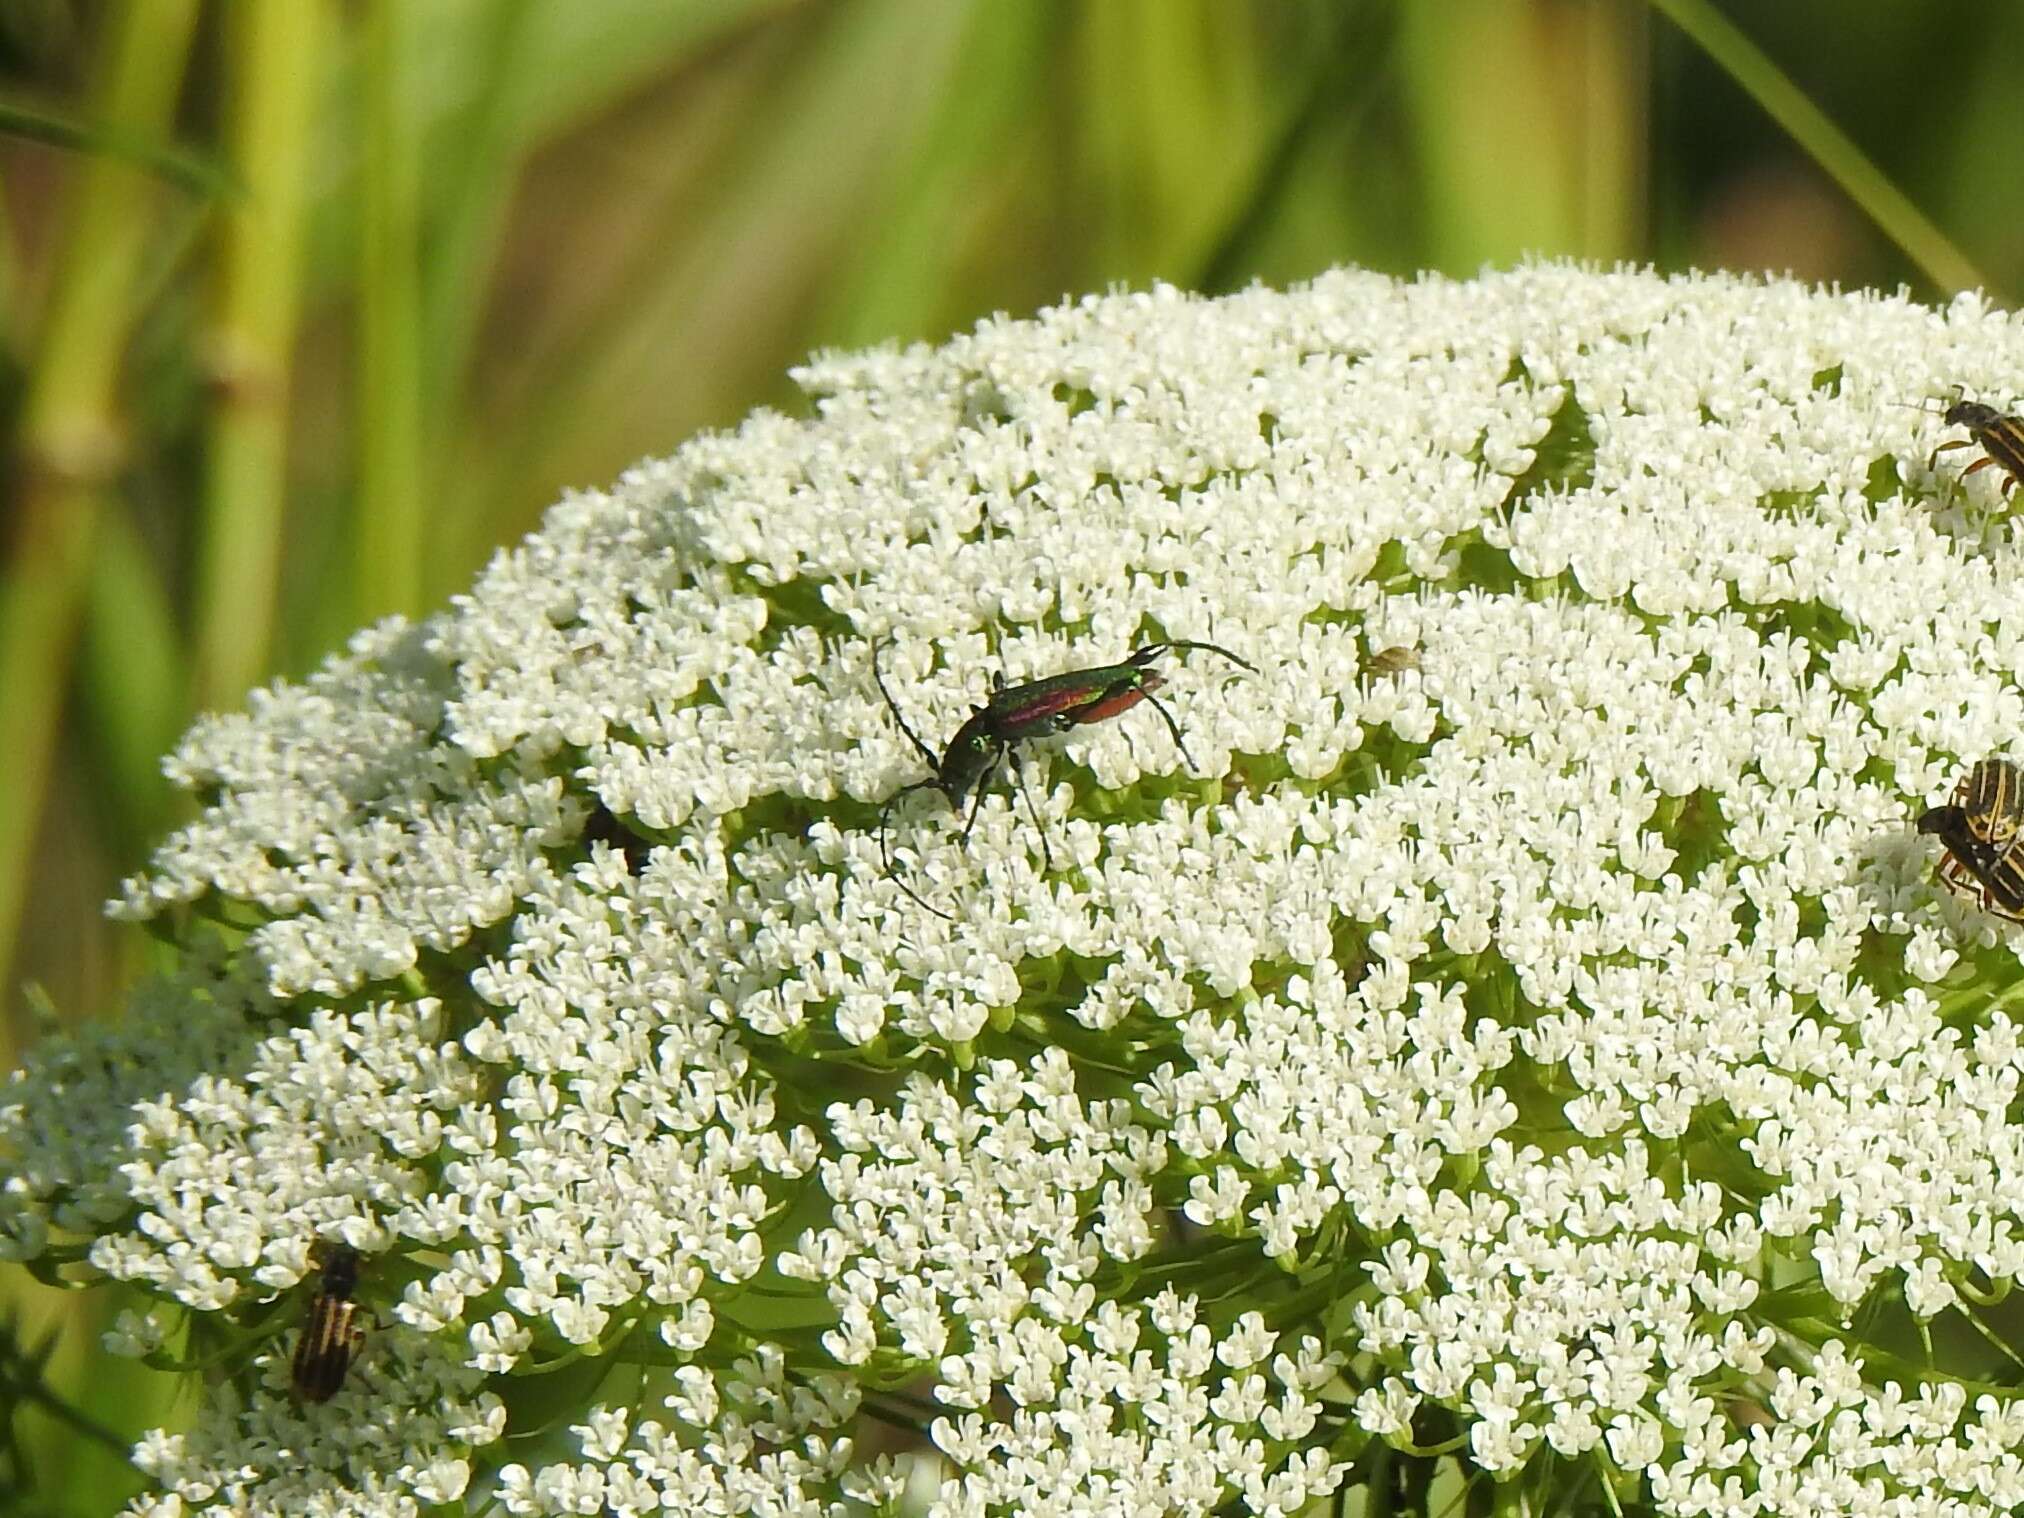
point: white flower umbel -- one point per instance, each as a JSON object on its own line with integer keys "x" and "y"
{"x": 1520, "y": 1039}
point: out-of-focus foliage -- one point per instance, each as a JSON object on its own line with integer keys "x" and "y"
{"x": 305, "y": 306}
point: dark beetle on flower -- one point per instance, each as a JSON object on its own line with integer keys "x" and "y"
{"x": 1979, "y": 832}
{"x": 2001, "y": 437}
{"x": 1017, "y": 713}
{"x": 331, "y": 1335}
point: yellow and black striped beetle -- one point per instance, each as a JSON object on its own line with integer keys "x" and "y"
{"x": 1979, "y": 832}
{"x": 2001, "y": 437}
{"x": 331, "y": 1334}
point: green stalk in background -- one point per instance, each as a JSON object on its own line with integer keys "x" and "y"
{"x": 987, "y": 61}
{"x": 1171, "y": 130}
{"x": 276, "y": 74}
{"x": 798, "y": 160}
{"x": 133, "y": 685}
{"x": 390, "y": 533}
{"x": 1615, "y": 139}
{"x": 69, "y": 442}
{"x": 479, "y": 173}
{"x": 1499, "y": 122}
{"x": 1824, "y": 142}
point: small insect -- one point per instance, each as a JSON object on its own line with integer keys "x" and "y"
{"x": 1017, "y": 713}
{"x": 2001, "y": 437}
{"x": 332, "y": 1335}
{"x": 1979, "y": 832}
{"x": 1394, "y": 661}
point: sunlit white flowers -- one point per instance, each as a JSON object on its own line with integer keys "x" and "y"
{"x": 1527, "y": 1041}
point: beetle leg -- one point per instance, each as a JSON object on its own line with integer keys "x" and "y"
{"x": 983, "y": 785}
{"x": 1174, "y": 728}
{"x": 885, "y": 851}
{"x": 1019, "y": 780}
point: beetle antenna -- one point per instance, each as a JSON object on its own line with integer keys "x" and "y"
{"x": 1139, "y": 656}
{"x": 1175, "y": 728}
{"x": 977, "y": 796}
{"x": 1960, "y": 393}
{"x": 893, "y": 706}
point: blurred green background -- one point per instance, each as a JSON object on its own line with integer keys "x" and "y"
{"x": 305, "y": 306}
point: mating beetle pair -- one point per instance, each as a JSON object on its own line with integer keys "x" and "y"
{"x": 1016, "y": 714}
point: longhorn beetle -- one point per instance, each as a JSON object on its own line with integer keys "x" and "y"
{"x": 2001, "y": 437}
{"x": 331, "y": 1335}
{"x": 1979, "y": 833}
{"x": 1016, "y": 714}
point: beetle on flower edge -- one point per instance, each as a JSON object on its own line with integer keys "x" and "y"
{"x": 331, "y": 1335}
{"x": 2001, "y": 437}
{"x": 1015, "y": 714}
{"x": 1979, "y": 832}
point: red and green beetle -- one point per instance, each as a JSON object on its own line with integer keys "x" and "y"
{"x": 1016, "y": 714}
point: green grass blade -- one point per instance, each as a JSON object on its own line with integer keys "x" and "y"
{"x": 1615, "y": 146}
{"x": 988, "y": 62}
{"x": 1825, "y": 143}
{"x": 590, "y": 55}
{"x": 1334, "y": 46}
{"x": 1172, "y": 131}
{"x": 777, "y": 183}
{"x": 179, "y": 166}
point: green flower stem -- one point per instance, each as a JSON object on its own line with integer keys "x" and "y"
{"x": 390, "y": 534}
{"x": 1981, "y": 1326}
{"x": 69, "y": 440}
{"x": 1824, "y": 142}
{"x": 277, "y": 78}
{"x": 23, "y": 1384}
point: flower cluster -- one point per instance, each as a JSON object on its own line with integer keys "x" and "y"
{"x": 1521, "y": 1027}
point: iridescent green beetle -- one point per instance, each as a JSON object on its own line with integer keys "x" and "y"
{"x": 1016, "y": 714}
